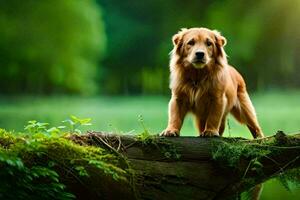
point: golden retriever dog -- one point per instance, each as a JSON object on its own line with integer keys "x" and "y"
{"x": 202, "y": 82}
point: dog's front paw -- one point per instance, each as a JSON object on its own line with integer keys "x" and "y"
{"x": 210, "y": 134}
{"x": 170, "y": 133}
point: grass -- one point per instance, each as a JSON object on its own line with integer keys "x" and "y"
{"x": 276, "y": 111}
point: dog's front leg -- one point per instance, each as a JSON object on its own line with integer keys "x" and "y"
{"x": 177, "y": 112}
{"x": 215, "y": 116}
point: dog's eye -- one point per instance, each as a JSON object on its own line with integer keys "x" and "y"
{"x": 208, "y": 43}
{"x": 191, "y": 42}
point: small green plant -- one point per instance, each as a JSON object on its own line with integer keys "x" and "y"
{"x": 74, "y": 123}
{"x": 144, "y": 136}
{"x": 34, "y": 126}
{"x": 55, "y": 131}
{"x": 229, "y": 128}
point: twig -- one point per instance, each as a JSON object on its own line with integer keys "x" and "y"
{"x": 111, "y": 148}
{"x": 129, "y": 145}
{"x": 229, "y": 128}
{"x": 104, "y": 142}
{"x": 250, "y": 162}
{"x": 278, "y": 165}
{"x": 120, "y": 143}
{"x": 277, "y": 147}
{"x": 286, "y": 165}
{"x": 264, "y": 138}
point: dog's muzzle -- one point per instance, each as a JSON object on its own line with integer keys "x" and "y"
{"x": 199, "y": 59}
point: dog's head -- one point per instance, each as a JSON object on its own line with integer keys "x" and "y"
{"x": 198, "y": 47}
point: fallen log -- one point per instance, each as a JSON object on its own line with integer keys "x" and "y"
{"x": 198, "y": 168}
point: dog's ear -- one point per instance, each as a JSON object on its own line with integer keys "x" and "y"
{"x": 220, "y": 42}
{"x": 177, "y": 39}
{"x": 178, "y": 36}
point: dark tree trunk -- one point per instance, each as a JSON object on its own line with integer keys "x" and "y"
{"x": 184, "y": 168}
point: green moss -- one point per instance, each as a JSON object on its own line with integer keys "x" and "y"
{"x": 246, "y": 157}
{"x": 231, "y": 153}
{"x": 168, "y": 149}
{"x": 35, "y": 167}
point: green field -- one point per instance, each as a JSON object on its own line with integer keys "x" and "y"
{"x": 275, "y": 110}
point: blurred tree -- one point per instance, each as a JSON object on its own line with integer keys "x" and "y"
{"x": 56, "y": 45}
{"x": 131, "y": 43}
{"x": 50, "y": 46}
{"x": 263, "y": 40}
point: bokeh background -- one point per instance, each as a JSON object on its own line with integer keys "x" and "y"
{"x": 108, "y": 60}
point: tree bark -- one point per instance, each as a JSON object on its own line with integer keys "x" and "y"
{"x": 184, "y": 168}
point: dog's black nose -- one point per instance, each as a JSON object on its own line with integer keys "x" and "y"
{"x": 199, "y": 55}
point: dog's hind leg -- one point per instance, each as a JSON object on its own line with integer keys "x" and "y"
{"x": 222, "y": 126}
{"x": 244, "y": 112}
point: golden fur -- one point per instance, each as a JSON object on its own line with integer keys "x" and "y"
{"x": 203, "y": 83}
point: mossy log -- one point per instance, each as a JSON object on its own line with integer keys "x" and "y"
{"x": 194, "y": 167}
